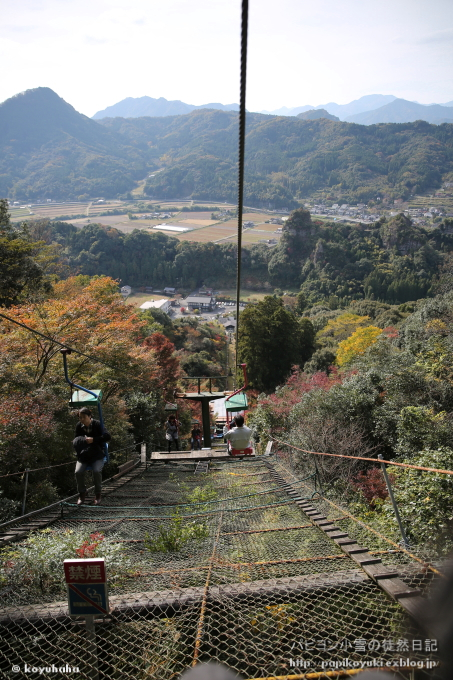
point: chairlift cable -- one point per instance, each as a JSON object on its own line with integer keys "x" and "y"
{"x": 64, "y": 346}
{"x": 242, "y": 117}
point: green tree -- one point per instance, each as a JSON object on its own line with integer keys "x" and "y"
{"x": 19, "y": 272}
{"x": 271, "y": 340}
{"x": 307, "y": 339}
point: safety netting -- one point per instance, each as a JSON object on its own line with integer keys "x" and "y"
{"x": 222, "y": 566}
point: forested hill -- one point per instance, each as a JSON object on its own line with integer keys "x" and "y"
{"x": 48, "y": 150}
{"x": 394, "y": 261}
{"x": 289, "y": 158}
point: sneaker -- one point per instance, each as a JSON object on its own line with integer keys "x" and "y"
{"x": 97, "y": 500}
{"x": 81, "y": 498}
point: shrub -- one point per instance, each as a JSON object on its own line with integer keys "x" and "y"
{"x": 173, "y": 537}
{"x": 424, "y": 500}
{"x": 371, "y": 484}
{"x": 36, "y": 564}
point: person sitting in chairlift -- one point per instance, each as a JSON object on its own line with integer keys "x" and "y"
{"x": 172, "y": 432}
{"x": 196, "y": 438}
{"x": 89, "y": 438}
{"x": 239, "y": 437}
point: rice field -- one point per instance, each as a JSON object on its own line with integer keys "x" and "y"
{"x": 204, "y": 229}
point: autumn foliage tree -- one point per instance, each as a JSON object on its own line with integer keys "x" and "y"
{"x": 356, "y": 344}
{"x": 168, "y": 368}
{"x": 36, "y": 425}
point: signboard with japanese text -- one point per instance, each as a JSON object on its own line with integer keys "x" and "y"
{"x": 85, "y": 571}
{"x": 87, "y": 587}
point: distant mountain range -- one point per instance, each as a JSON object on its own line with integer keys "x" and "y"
{"x": 367, "y": 103}
{"x": 136, "y": 107}
{"x": 368, "y": 110}
{"x": 49, "y": 150}
{"x": 403, "y": 111}
{"x": 378, "y": 108}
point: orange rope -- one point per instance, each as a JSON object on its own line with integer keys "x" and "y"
{"x": 427, "y": 565}
{"x": 372, "y": 460}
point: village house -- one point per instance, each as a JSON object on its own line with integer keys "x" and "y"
{"x": 163, "y": 304}
{"x": 205, "y": 303}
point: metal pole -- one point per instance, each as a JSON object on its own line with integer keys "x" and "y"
{"x": 143, "y": 453}
{"x": 405, "y": 542}
{"x": 93, "y": 670}
{"x": 24, "y": 500}
{"x": 206, "y": 423}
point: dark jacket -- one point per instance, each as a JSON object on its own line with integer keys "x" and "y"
{"x": 88, "y": 453}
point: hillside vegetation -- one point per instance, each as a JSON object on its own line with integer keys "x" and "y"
{"x": 393, "y": 261}
{"x": 386, "y": 386}
{"x": 289, "y": 158}
{"x": 48, "y": 150}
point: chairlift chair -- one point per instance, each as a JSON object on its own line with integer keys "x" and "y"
{"x": 237, "y": 403}
{"x": 81, "y": 397}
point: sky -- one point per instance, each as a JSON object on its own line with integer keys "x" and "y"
{"x": 94, "y": 53}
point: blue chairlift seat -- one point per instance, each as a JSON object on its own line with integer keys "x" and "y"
{"x": 79, "y": 399}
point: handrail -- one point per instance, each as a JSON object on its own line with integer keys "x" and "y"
{"x": 19, "y": 519}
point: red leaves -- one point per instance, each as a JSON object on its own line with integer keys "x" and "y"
{"x": 168, "y": 364}
{"x": 298, "y": 384}
{"x": 372, "y": 484}
{"x": 291, "y": 393}
{"x": 88, "y": 549}
{"x": 390, "y": 332}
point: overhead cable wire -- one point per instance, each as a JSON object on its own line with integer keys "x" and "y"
{"x": 71, "y": 462}
{"x": 64, "y": 346}
{"x": 242, "y": 116}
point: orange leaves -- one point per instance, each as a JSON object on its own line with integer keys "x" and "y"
{"x": 88, "y": 549}
{"x": 88, "y": 315}
{"x": 168, "y": 364}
